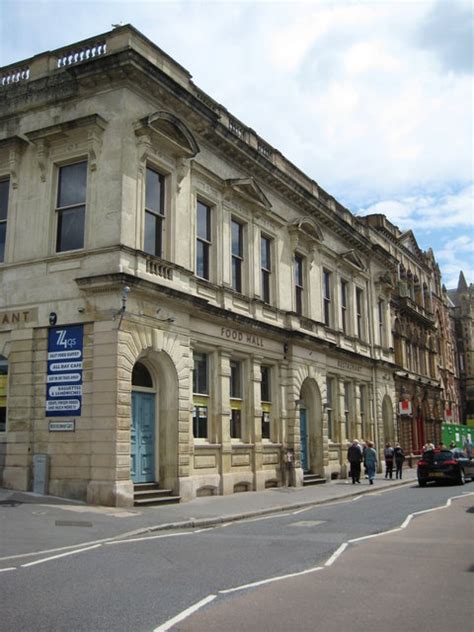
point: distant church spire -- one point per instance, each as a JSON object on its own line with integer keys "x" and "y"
{"x": 462, "y": 285}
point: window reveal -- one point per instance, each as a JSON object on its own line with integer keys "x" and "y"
{"x": 71, "y": 207}
{"x": 4, "y": 192}
{"x": 154, "y": 213}
{"x": 203, "y": 240}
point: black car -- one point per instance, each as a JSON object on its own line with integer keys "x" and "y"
{"x": 443, "y": 465}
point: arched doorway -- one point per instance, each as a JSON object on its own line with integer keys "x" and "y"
{"x": 143, "y": 452}
{"x": 311, "y": 428}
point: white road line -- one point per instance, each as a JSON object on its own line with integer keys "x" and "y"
{"x": 336, "y": 554}
{"x": 151, "y": 537}
{"x": 270, "y": 580}
{"x": 183, "y": 615}
{"x": 406, "y": 522}
{"x": 293, "y": 513}
{"x": 186, "y": 613}
{"x": 11, "y": 568}
{"x": 55, "y": 557}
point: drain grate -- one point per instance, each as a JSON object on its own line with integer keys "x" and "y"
{"x": 72, "y": 523}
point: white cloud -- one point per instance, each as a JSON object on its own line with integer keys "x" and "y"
{"x": 372, "y": 99}
{"x": 428, "y": 212}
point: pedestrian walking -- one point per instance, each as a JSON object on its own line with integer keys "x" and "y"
{"x": 399, "y": 457}
{"x": 428, "y": 446}
{"x": 370, "y": 461}
{"x": 467, "y": 445}
{"x": 354, "y": 456}
{"x": 388, "y": 456}
{"x": 363, "y": 448}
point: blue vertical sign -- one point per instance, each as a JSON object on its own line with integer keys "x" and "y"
{"x": 64, "y": 378}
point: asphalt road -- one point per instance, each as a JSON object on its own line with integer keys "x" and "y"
{"x": 139, "y": 585}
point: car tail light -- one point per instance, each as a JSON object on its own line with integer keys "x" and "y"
{"x": 452, "y": 462}
{"x": 422, "y": 462}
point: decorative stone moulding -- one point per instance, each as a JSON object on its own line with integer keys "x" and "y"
{"x": 94, "y": 125}
{"x": 15, "y": 146}
{"x": 305, "y": 236}
{"x": 164, "y": 128}
{"x": 249, "y": 190}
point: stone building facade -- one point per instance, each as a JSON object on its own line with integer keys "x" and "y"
{"x": 179, "y": 304}
{"x": 462, "y": 299}
{"x": 426, "y": 375}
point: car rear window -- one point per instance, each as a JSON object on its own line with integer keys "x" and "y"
{"x": 445, "y": 455}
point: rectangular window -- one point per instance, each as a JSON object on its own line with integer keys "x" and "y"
{"x": 3, "y": 393}
{"x": 347, "y": 407}
{"x": 359, "y": 312}
{"x": 381, "y": 310}
{"x": 71, "y": 207}
{"x": 266, "y": 398}
{"x": 203, "y": 240}
{"x": 266, "y": 267}
{"x": 344, "y": 286}
{"x": 237, "y": 255}
{"x": 154, "y": 212}
{"x": 329, "y": 406}
{"x": 200, "y": 374}
{"x": 235, "y": 400}
{"x": 4, "y": 192}
{"x": 200, "y": 395}
{"x": 299, "y": 285}
{"x": 327, "y": 297}
{"x": 363, "y": 409}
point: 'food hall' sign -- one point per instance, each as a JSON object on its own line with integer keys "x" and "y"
{"x": 239, "y": 336}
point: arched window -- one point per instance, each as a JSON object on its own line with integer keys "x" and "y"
{"x": 3, "y": 393}
{"x": 141, "y": 376}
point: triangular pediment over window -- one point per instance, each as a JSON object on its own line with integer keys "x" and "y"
{"x": 353, "y": 259}
{"x": 407, "y": 239}
{"x": 169, "y": 129}
{"x": 249, "y": 189}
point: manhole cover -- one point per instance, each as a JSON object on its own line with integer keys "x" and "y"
{"x": 72, "y": 523}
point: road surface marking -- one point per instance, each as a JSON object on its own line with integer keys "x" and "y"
{"x": 55, "y": 557}
{"x": 11, "y": 568}
{"x": 270, "y": 580}
{"x": 152, "y": 537}
{"x": 336, "y": 554}
{"x": 184, "y": 615}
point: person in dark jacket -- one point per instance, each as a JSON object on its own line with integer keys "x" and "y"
{"x": 399, "y": 457}
{"x": 388, "y": 456}
{"x": 354, "y": 456}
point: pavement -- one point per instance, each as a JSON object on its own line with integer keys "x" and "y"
{"x": 32, "y": 524}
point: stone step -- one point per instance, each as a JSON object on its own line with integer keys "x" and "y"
{"x": 313, "y": 479}
{"x": 139, "y": 493}
{"x": 149, "y": 501}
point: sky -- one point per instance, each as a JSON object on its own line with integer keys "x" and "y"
{"x": 371, "y": 99}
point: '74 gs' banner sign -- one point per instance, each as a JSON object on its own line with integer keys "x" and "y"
{"x": 64, "y": 377}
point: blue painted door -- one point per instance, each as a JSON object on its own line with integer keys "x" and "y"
{"x": 143, "y": 438}
{"x": 304, "y": 440}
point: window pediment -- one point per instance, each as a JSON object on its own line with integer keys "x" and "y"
{"x": 249, "y": 190}
{"x": 94, "y": 125}
{"x": 305, "y": 236}
{"x": 352, "y": 258}
{"x": 164, "y": 127}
